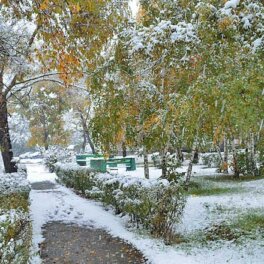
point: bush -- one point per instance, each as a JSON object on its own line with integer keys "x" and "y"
{"x": 57, "y": 154}
{"x": 15, "y": 226}
{"x": 246, "y": 165}
{"x": 156, "y": 205}
{"x": 211, "y": 160}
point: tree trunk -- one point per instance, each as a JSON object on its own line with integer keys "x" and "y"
{"x": 43, "y": 120}
{"x": 5, "y": 141}
{"x": 146, "y": 164}
{"x": 46, "y": 136}
{"x": 87, "y": 134}
{"x": 90, "y": 141}
{"x": 235, "y": 165}
{"x": 180, "y": 154}
{"x": 221, "y": 165}
{"x": 84, "y": 142}
{"x": 253, "y": 161}
{"x": 196, "y": 157}
{"x": 225, "y": 165}
{"x": 190, "y": 166}
{"x": 164, "y": 164}
{"x": 124, "y": 149}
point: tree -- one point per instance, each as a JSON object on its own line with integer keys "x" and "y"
{"x": 80, "y": 103}
{"x": 15, "y": 48}
{"x": 45, "y": 111}
{"x": 62, "y": 26}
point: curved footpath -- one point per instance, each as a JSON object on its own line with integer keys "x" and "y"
{"x": 63, "y": 234}
{"x": 71, "y": 229}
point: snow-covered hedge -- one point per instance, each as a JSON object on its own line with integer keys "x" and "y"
{"x": 154, "y": 204}
{"x": 15, "y": 227}
{"x": 57, "y": 154}
{"x": 14, "y": 183}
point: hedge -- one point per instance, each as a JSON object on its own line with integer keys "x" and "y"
{"x": 155, "y": 204}
{"x": 15, "y": 226}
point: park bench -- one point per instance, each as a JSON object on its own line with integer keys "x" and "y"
{"x": 84, "y": 159}
{"x": 129, "y": 163}
{"x": 97, "y": 162}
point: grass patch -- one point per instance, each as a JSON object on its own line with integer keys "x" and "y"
{"x": 239, "y": 230}
{"x": 204, "y": 188}
{"x": 231, "y": 178}
{"x": 251, "y": 222}
{"x": 14, "y": 201}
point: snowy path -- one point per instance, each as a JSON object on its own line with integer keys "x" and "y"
{"x": 63, "y": 205}
{"x": 69, "y": 236}
{"x": 59, "y": 204}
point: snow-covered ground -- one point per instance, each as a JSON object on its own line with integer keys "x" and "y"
{"x": 61, "y": 204}
{"x": 198, "y": 170}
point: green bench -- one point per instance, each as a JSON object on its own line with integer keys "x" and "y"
{"x": 84, "y": 159}
{"x": 130, "y": 163}
{"x": 97, "y": 162}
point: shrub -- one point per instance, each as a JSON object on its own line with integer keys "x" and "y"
{"x": 15, "y": 226}
{"x": 57, "y": 154}
{"x": 156, "y": 205}
{"x": 247, "y": 166}
{"x": 211, "y": 160}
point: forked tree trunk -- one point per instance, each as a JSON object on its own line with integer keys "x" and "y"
{"x": 146, "y": 164}
{"x": 5, "y": 141}
{"x": 87, "y": 134}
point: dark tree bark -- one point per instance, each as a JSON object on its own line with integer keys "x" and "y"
{"x": 5, "y": 141}
{"x": 124, "y": 149}
{"x": 196, "y": 157}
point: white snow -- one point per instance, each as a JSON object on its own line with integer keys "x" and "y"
{"x": 257, "y": 43}
{"x": 61, "y": 204}
{"x": 198, "y": 170}
{"x": 38, "y": 173}
{"x": 232, "y": 4}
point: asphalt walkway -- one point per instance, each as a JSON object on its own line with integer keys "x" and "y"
{"x": 67, "y": 242}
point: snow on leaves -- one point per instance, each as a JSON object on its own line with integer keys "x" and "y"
{"x": 13, "y": 183}
{"x": 147, "y": 38}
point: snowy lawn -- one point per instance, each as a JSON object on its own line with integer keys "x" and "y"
{"x": 222, "y": 227}
{"x": 198, "y": 170}
{"x": 223, "y": 220}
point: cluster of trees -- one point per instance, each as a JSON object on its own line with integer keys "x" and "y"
{"x": 180, "y": 75}
{"x": 48, "y": 41}
{"x": 185, "y": 73}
